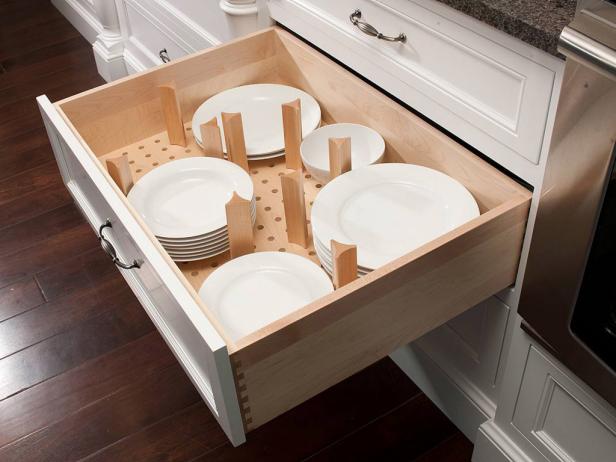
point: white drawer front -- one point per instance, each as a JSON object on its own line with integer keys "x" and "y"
{"x": 490, "y": 96}
{"x": 150, "y": 28}
{"x": 561, "y": 419}
{"x": 187, "y": 331}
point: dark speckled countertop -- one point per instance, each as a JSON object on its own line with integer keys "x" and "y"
{"x": 537, "y": 22}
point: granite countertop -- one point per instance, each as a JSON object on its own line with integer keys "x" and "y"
{"x": 537, "y": 22}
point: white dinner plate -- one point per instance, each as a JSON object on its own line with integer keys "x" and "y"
{"x": 388, "y": 210}
{"x": 328, "y": 266}
{"x": 327, "y": 253}
{"x": 187, "y": 197}
{"x": 260, "y": 106}
{"x": 252, "y": 157}
{"x": 254, "y": 290}
{"x": 199, "y": 247}
{"x": 182, "y": 258}
{"x": 326, "y": 259}
{"x": 198, "y": 255}
{"x": 199, "y": 241}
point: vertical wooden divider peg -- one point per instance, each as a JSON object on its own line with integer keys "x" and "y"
{"x": 292, "y": 186}
{"x": 239, "y": 226}
{"x": 119, "y": 171}
{"x": 172, "y": 113}
{"x": 234, "y": 138}
{"x": 211, "y": 139}
{"x": 339, "y": 156}
{"x": 292, "y": 130}
{"x": 344, "y": 259}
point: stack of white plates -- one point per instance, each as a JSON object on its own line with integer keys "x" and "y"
{"x": 254, "y": 290}
{"x": 387, "y": 210}
{"x": 183, "y": 203}
{"x": 260, "y": 106}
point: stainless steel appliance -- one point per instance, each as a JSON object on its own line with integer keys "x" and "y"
{"x": 568, "y": 299}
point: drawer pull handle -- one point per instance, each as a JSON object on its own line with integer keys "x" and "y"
{"x": 110, "y": 249}
{"x": 369, "y": 29}
{"x": 164, "y": 55}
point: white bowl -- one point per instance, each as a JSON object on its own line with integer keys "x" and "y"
{"x": 367, "y": 148}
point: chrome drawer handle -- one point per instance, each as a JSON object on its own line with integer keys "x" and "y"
{"x": 164, "y": 55}
{"x": 369, "y": 29}
{"x": 110, "y": 249}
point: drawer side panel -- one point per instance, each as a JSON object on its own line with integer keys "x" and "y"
{"x": 376, "y": 317}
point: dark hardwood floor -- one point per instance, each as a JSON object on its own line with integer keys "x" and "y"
{"x": 83, "y": 372}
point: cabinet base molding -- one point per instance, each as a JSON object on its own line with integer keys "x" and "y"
{"x": 493, "y": 445}
{"x": 456, "y": 400}
{"x": 83, "y": 20}
{"x": 132, "y": 63}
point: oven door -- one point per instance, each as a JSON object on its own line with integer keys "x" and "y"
{"x": 568, "y": 291}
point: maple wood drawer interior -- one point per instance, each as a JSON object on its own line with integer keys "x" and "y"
{"x": 298, "y": 356}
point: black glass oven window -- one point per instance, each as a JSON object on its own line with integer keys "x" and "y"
{"x": 594, "y": 316}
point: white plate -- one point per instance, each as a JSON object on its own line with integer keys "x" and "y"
{"x": 328, "y": 254}
{"x": 326, "y": 259}
{"x": 198, "y": 251}
{"x": 200, "y": 255}
{"x": 367, "y": 147}
{"x": 260, "y": 105}
{"x": 251, "y": 291}
{"x": 271, "y": 155}
{"x": 388, "y": 210}
{"x": 187, "y": 197}
{"x": 328, "y": 266}
{"x": 199, "y": 241}
{"x": 196, "y": 247}
{"x": 197, "y": 257}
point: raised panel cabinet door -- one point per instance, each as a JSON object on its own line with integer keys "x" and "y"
{"x": 168, "y": 301}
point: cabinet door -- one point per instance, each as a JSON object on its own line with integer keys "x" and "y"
{"x": 165, "y": 297}
{"x": 468, "y": 348}
{"x": 562, "y": 419}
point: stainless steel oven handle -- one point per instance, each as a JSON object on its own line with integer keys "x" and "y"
{"x": 591, "y": 53}
{"x": 110, "y": 249}
{"x": 369, "y": 29}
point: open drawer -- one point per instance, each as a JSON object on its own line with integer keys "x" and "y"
{"x": 249, "y": 382}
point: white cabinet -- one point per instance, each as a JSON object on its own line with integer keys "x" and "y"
{"x": 457, "y": 364}
{"x": 546, "y": 413}
{"x": 484, "y": 87}
{"x": 155, "y": 31}
{"x": 250, "y": 381}
{"x": 129, "y": 35}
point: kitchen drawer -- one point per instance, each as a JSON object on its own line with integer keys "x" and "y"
{"x": 146, "y": 34}
{"x": 248, "y": 382}
{"x": 490, "y": 96}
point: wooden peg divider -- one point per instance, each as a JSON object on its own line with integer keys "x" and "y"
{"x": 119, "y": 171}
{"x": 172, "y": 113}
{"x": 234, "y": 138}
{"x": 339, "y": 156}
{"x": 344, "y": 259}
{"x": 292, "y": 186}
{"x": 239, "y": 226}
{"x": 292, "y": 129}
{"x": 211, "y": 139}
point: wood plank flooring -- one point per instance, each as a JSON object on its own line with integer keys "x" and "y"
{"x": 83, "y": 373}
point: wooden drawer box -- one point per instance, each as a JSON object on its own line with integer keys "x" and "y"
{"x": 249, "y": 382}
